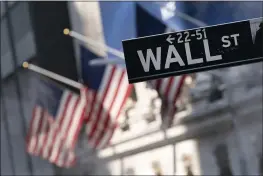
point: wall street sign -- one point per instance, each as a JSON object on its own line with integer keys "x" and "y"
{"x": 194, "y": 50}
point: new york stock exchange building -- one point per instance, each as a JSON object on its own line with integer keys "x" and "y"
{"x": 217, "y": 126}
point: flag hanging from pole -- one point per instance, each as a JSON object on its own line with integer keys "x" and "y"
{"x": 108, "y": 87}
{"x": 169, "y": 89}
{"x": 54, "y": 128}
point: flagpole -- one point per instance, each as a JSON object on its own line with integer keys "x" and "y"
{"x": 105, "y": 61}
{"x": 52, "y": 75}
{"x": 85, "y": 39}
{"x": 111, "y": 50}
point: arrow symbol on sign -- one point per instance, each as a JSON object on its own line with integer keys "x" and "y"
{"x": 170, "y": 39}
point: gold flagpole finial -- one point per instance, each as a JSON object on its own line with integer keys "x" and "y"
{"x": 66, "y": 31}
{"x": 25, "y": 64}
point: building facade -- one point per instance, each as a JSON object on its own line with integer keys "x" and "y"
{"x": 196, "y": 136}
{"x": 31, "y": 31}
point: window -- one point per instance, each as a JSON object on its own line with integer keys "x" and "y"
{"x": 5, "y": 47}
{"x": 133, "y": 95}
{"x": 222, "y": 160}
{"x": 23, "y": 35}
{"x": 2, "y": 10}
{"x": 130, "y": 171}
{"x": 157, "y": 168}
{"x": 6, "y": 168}
{"x": 20, "y": 20}
{"x": 11, "y": 3}
{"x": 187, "y": 160}
{"x": 6, "y": 57}
{"x": 260, "y": 165}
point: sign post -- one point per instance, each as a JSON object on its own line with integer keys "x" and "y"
{"x": 194, "y": 50}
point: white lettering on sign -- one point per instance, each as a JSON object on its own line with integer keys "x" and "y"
{"x": 187, "y": 36}
{"x": 207, "y": 53}
{"x": 170, "y": 59}
{"x": 173, "y": 56}
{"x": 227, "y": 42}
{"x": 189, "y": 56}
{"x": 150, "y": 56}
{"x": 170, "y": 39}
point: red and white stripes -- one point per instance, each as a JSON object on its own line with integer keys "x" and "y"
{"x": 54, "y": 138}
{"x": 105, "y": 106}
{"x": 169, "y": 89}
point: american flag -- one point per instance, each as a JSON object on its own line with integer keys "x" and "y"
{"x": 57, "y": 118}
{"x": 108, "y": 87}
{"x": 108, "y": 91}
{"x": 169, "y": 89}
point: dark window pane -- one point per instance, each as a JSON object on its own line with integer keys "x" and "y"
{"x": 25, "y": 48}
{"x": 2, "y": 10}
{"x": 6, "y": 168}
{"x": 20, "y": 20}
{"x": 222, "y": 160}
{"x": 11, "y": 3}
{"x": 130, "y": 171}
{"x": 6, "y": 56}
{"x": 4, "y": 37}
{"x": 261, "y": 165}
{"x": 24, "y": 39}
